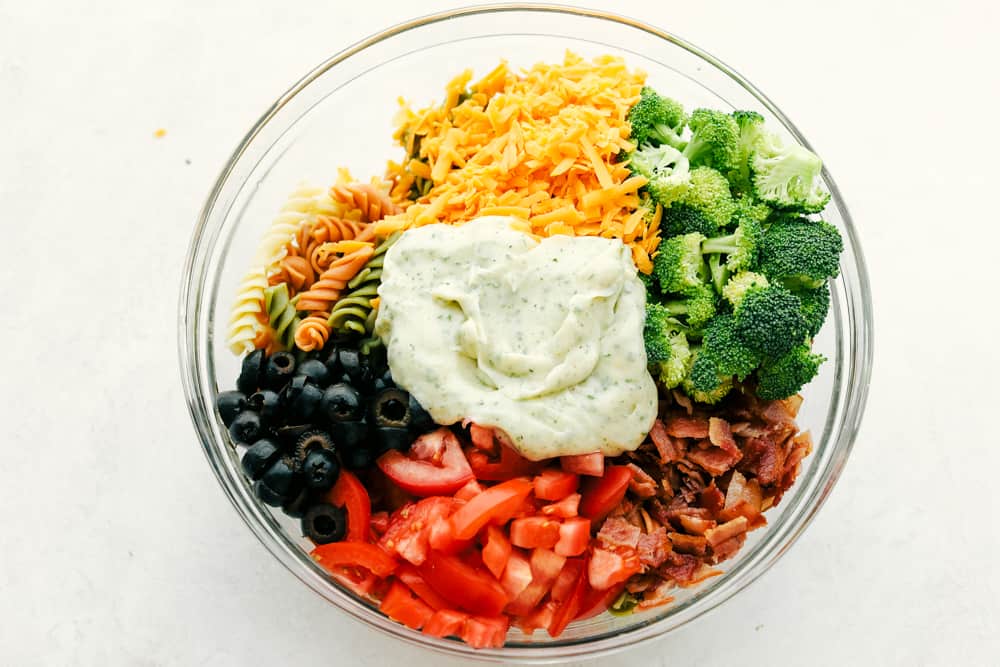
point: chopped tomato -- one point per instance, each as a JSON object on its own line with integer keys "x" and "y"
{"x": 464, "y": 586}
{"x": 601, "y": 495}
{"x": 571, "y": 599}
{"x": 533, "y": 532}
{"x": 409, "y": 528}
{"x": 496, "y": 551}
{"x": 445, "y": 623}
{"x": 545, "y": 567}
{"x": 471, "y": 489}
{"x": 496, "y": 503}
{"x": 400, "y": 605}
{"x": 379, "y": 523}
{"x": 510, "y": 465}
{"x": 555, "y": 484}
{"x": 350, "y": 494}
{"x": 482, "y": 438}
{"x": 574, "y": 537}
{"x": 516, "y": 575}
{"x": 596, "y": 602}
{"x": 372, "y": 557}
{"x": 443, "y": 475}
{"x": 356, "y": 579}
{"x": 409, "y": 576}
{"x": 584, "y": 464}
{"x": 540, "y": 618}
{"x": 565, "y": 508}
{"x": 563, "y": 585}
{"x": 485, "y": 632}
{"x": 607, "y": 568}
{"x": 442, "y": 538}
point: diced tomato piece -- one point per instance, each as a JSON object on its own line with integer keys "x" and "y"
{"x": 574, "y": 537}
{"x": 379, "y": 522}
{"x": 498, "y": 502}
{"x": 571, "y": 599}
{"x": 565, "y": 508}
{"x": 429, "y": 477}
{"x": 471, "y": 489}
{"x": 442, "y": 538}
{"x": 496, "y": 551}
{"x": 510, "y": 465}
{"x": 409, "y": 576}
{"x": 601, "y": 495}
{"x": 409, "y": 528}
{"x": 563, "y": 585}
{"x": 540, "y": 618}
{"x": 400, "y": 605}
{"x": 607, "y": 568}
{"x": 516, "y": 575}
{"x": 482, "y": 438}
{"x": 445, "y": 623}
{"x": 534, "y": 532}
{"x": 357, "y": 579}
{"x": 583, "y": 464}
{"x": 372, "y": 557}
{"x": 485, "y": 632}
{"x": 431, "y": 446}
{"x": 596, "y": 602}
{"x": 351, "y": 495}
{"x": 545, "y": 567}
{"x": 462, "y": 585}
{"x": 554, "y": 484}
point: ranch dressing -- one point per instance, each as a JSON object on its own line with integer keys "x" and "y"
{"x": 541, "y": 340}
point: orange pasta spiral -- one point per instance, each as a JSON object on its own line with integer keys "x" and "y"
{"x": 313, "y": 332}
{"x": 373, "y": 203}
{"x": 326, "y": 290}
{"x": 294, "y": 270}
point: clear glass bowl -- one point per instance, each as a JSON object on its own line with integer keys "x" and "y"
{"x": 341, "y": 114}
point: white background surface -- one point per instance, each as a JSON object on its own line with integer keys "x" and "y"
{"x": 117, "y": 546}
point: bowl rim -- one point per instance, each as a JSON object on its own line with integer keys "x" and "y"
{"x": 853, "y": 409}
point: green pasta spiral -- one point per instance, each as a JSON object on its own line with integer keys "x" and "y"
{"x": 353, "y": 312}
{"x": 281, "y": 313}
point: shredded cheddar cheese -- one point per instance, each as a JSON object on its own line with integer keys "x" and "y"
{"x": 539, "y": 145}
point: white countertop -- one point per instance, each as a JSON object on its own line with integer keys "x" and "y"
{"x": 118, "y": 547}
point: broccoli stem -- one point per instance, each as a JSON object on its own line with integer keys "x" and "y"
{"x": 720, "y": 244}
{"x": 720, "y": 272}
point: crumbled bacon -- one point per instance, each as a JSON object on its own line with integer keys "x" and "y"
{"x": 619, "y": 533}
{"x": 701, "y": 482}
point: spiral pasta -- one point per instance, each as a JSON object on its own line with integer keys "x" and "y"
{"x": 354, "y": 311}
{"x": 373, "y": 203}
{"x": 312, "y": 332}
{"x": 244, "y": 324}
{"x": 326, "y": 290}
{"x": 281, "y": 313}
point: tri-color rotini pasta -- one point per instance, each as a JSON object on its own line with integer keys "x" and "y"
{"x": 354, "y": 311}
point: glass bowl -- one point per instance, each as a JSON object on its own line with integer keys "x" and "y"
{"x": 341, "y": 114}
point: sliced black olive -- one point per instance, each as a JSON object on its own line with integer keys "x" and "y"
{"x": 280, "y": 369}
{"x": 324, "y": 523}
{"x": 230, "y": 404}
{"x": 341, "y": 402}
{"x": 315, "y": 370}
{"x": 420, "y": 420}
{"x": 350, "y": 434}
{"x": 391, "y": 407}
{"x": 301, "y": 398}
{"x": 246, "y": 427}
{"x": 252, "y": 372}
{"x": 320, "y": 469}
{"x": 266, "y": 403}
{"x": 392, "y": 437}
{"x": 260, "y": 456}
{"x": 311, "y": 440}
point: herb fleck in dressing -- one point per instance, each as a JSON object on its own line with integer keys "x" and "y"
{"x": 539, "y": 339}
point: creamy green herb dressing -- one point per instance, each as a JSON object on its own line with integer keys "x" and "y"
{"x": 541, "y": 340}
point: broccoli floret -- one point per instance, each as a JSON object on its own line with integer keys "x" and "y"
{"x": 769, "y": 320}
{"x": 678, "y": 266}
{"x": 719, "y": 272}
{"x": 800, "y": 252}
{"x": 738, "y": 285}
{"x": 697, "y": 306}
{"x": 665, "y": 168}
{"x": 787, "y": 374}
{"x": 786, "y": 176}
{"x": 705, "y": 207}
{"x": 704, "y": 383}
{"x": 649, "y": 282}
{"x": 731, "y": 356}
{"x": 742, "y": 247}
{"x": 746, "y": 207}
{"x": 750, "y": 124}
{"x": 656, "y": 120}
{"x": 714, "y": 140}
{"x": 815, "y": 306}
{"x": 667, "y": 350}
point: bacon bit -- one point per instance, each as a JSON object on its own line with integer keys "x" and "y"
{"x": 776, "y": 412}
{"x": 726, "y": 531}
{"x": 714, "y": 461}
{"x": 684, "y": 427}
{"x": 697, "y": 525}
{"x": 683, "y": 401}
{"x": 702, "y": 573}
{"x": 721, "y": 436}
{"x": 669, "y": 449}
{"x": 763, "y": 459}
{"x": 641, "y": 484}
{"x": 647, "y": 523}
{"x": 694, "y": 545}
{"x": 728, "y": 549}
{"x": 679, "y": 568}
{"x": 654, "y": 548}
{"x": 656, "y": 596}
{"x": 712, "y": 499}
{"x": 792, "y": 404}
{"x": 619, "y": 533}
